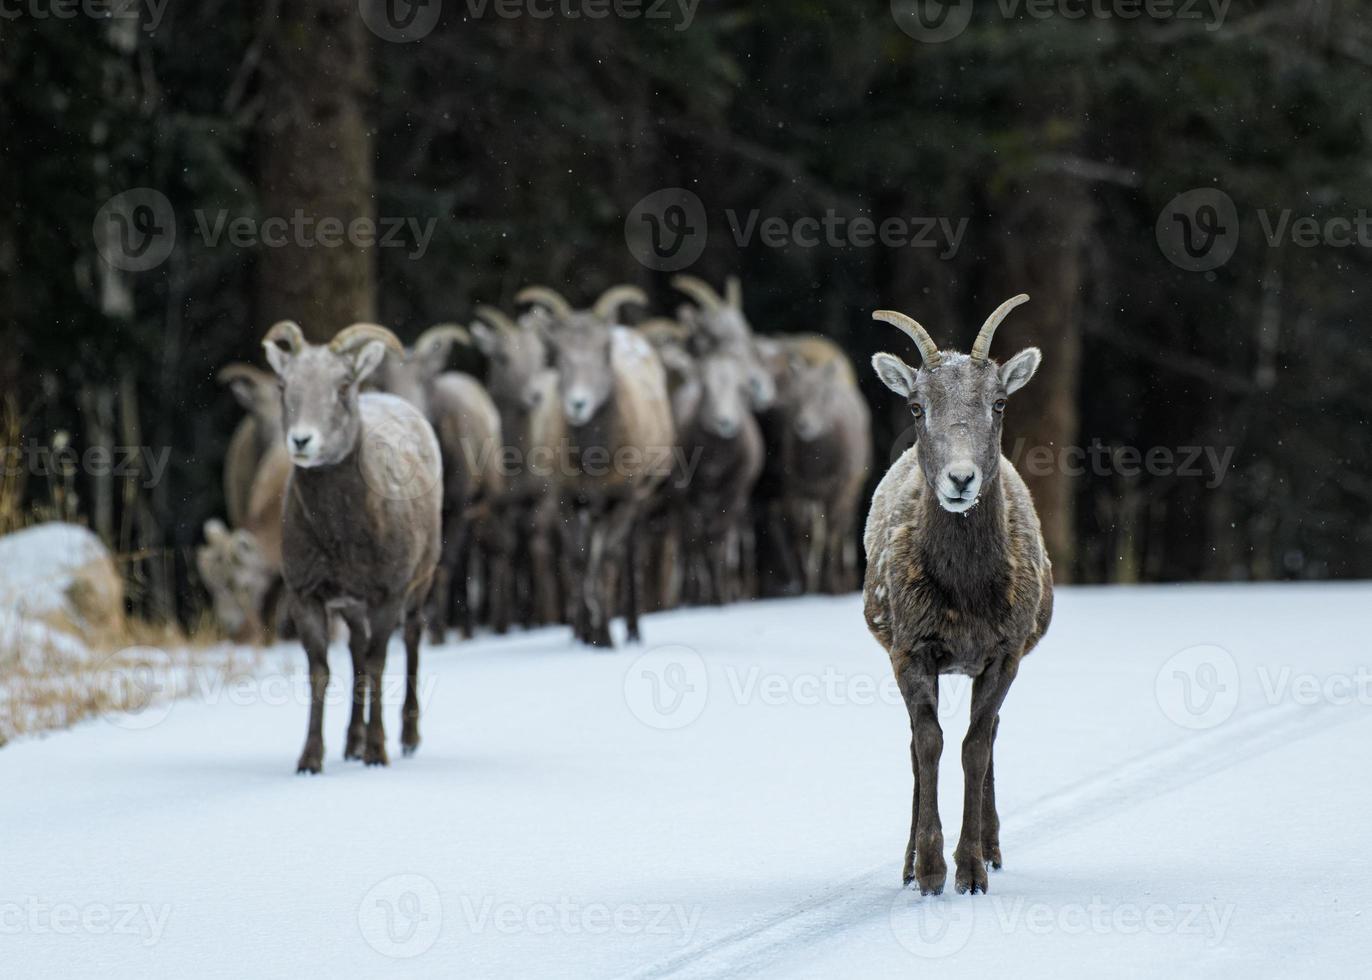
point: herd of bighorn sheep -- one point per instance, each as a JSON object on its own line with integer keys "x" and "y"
{"x": 605, "y": 469}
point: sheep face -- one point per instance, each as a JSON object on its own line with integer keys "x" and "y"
{"x": 580, "y": 350}
{"x": 517, "y": 359}
{"x": 958, "y": 408}
{"x": 726, "y": 395}
{"x": 319, "y": 391}
{"x": 236, "y": 575}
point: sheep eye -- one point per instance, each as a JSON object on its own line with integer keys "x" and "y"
{"x": 917, "y": 410}
{"x": 999, "y": 405}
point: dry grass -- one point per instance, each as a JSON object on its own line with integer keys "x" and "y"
{"x": 51, "y": 680}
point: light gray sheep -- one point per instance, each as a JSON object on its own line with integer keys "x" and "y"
{"x": 617, "y": 450}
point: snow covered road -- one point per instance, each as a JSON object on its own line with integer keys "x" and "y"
{"x": 1181, "y": 772}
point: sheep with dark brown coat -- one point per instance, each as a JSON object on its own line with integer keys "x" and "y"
{"x": 958, "y": 580}
{"x": 362, "y": 526}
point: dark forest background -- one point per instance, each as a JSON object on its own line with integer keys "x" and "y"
{"x": 528, "y": 140}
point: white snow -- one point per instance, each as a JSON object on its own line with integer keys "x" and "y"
{"x": 733, "y": 802}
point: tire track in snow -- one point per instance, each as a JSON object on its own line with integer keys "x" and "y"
{"x": 869, "y": 895}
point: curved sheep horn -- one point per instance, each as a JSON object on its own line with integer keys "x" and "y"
{"x": 543, "y": 296}
{"x": 664, "y": 326}
{"x": 733, "y": 292}
{"x": 350, "y": 338}
{"x": 451, "y": 332}
{"x": 286, "y": 332}
{"x": 607, "y": 307}
{"x": 911, "y": 328}
{"x": 497, "y": 318}
{"x": 982, "y": 346}
{"x": 239, "y": 371}
{"x": 699, "y": 290}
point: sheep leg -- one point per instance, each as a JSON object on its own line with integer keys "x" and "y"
{"x": 382, "y": 626}
{"x": 500, "y": 585}
{"x": 596, "y": 592}
{"x": 635, "y": 585}
{"x": 990, "y": 820}
{"x": 988, "y": 692}
{"x": 313, "y": 623}
{"x": 359, "y": 640}
{"x": 409, "y": 715}
{"x": 924, "y": 860}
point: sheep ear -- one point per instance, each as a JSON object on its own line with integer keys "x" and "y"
{"x": 894, "y": 373}
{"x": 367, "y": 359}
{"x": 277, "y": 356}
{"x": 1016, "y": 372}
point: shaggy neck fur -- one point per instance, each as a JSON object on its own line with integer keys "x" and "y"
{"x": 966, "y": 554}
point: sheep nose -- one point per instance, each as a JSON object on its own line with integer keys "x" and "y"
{"x": 301, "y": 441}
{"x": 579, "y": 406}
{"x": 962, "y": 480}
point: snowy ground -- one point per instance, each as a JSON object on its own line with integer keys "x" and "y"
{"x": 1182, "y": 776}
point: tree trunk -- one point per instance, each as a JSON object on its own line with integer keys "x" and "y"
{"x": 315, "y": 165}
{"x": 1045, "y": 231}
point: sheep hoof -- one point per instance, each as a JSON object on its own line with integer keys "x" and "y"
{"x": 971, "y": 877}
{"x": 992, "y": 853}
{"x": 376, "y": 756}
{"x": 356, "y": 743}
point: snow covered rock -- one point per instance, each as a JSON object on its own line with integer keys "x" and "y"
{"x": 62, "y": 576}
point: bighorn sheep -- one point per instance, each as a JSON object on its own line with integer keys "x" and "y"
{"x": 958, "y": 580}
{"x": 258, "y": 431}
{"x": 718, "y": 322}
{"x": 362, "y": 526}
{"x": 721, "y": 457}
{"x": 241, "y": 567}
{"x": 524, "y": 390}
{"x": 616, "y": 453}
{"x": 468, "y": 429}
{"x": 818, "y": 439}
